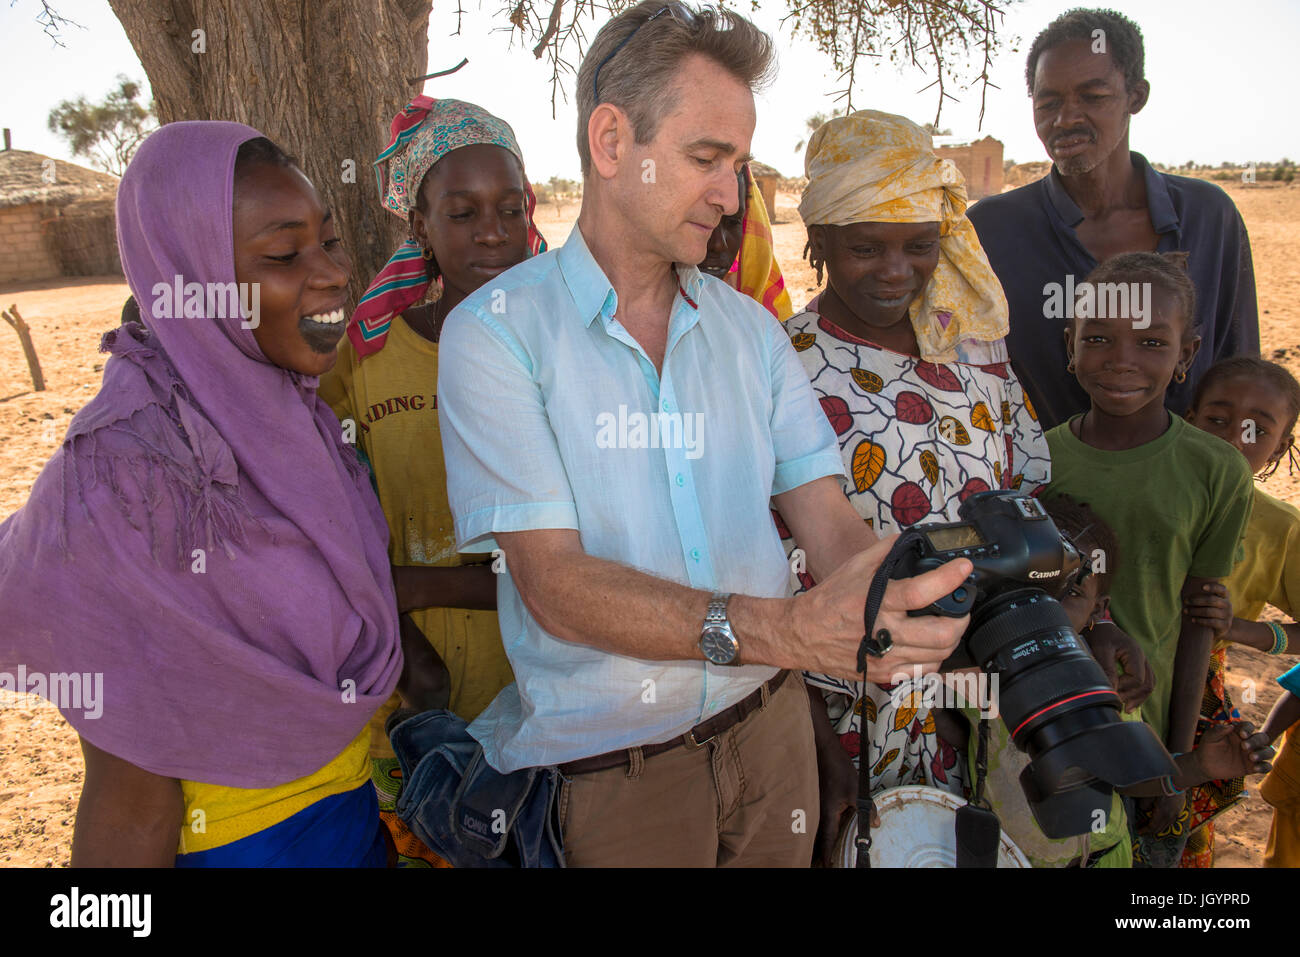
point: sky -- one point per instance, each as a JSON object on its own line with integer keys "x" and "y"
{"x": 1220, "y": 75}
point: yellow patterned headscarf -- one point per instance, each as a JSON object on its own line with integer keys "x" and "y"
{"x": 872, "y": 167}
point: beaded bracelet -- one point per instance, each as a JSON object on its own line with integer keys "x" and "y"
{"x": 1279, "y": 638}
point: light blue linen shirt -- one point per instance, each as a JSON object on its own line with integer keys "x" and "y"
{"x": 544, "y": 404}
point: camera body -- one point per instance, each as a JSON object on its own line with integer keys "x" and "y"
{"x": 1013, "y": 544}
{"x": 1053, "y": 696}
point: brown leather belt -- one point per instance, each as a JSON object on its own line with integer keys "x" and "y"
{"x": 697, "y": 737}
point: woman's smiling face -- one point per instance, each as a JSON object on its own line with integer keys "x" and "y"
{"x": 285, "y": 243}
{"x": 878, "y": 269}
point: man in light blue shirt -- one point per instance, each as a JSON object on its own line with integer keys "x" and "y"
{"x": 616, "y": 423}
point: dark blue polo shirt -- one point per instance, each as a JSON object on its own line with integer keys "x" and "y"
{"x": 1028, "y": 234}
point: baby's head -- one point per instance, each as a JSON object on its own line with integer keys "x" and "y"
{"x": 1087, "y": 601}
{"x": 1133, "y": 330}
{"x": 1252, "y": 404}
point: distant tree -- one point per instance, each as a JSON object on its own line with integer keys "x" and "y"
{"x": 561, "y": 191}
{"x": 106, "y": 133}
{"x": 934, "y": 130}
{"x": 816, "y": 122}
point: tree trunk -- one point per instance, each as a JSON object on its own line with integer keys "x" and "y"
{"x": 322, "y": 79}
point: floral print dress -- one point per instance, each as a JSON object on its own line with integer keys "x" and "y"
{"x": 917, "y": 438}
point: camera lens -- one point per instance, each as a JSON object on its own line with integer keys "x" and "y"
{"x": 1060, "y": 710}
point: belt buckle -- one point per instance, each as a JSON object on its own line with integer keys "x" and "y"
{"x": 694, "y": 745}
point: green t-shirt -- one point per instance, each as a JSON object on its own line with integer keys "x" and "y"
{"x": 1178, "y": 506}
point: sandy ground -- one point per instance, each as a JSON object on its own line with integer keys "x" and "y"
{"x": 40, "y": 761}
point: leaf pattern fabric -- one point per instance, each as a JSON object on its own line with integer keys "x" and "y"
{"x": 918, "y": 438}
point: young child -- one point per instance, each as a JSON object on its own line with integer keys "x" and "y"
{"x": 1253, "y": 404}
{"x": 1178, "y": 498}
{"x": 454, "y": 172}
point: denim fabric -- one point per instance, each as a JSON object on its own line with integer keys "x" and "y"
{"x": 466, "y": 812}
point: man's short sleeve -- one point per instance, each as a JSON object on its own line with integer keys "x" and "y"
{"x": 1218, "y": 549}
{"x": 802, "y": 438}
{"x": 504, "y": 470}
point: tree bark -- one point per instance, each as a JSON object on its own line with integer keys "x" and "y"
{"x": 321, "y": 78}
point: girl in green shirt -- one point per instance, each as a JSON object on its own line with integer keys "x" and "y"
{"x": 1178, "y": 497}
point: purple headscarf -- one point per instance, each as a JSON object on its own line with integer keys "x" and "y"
{"x": 203, "y": 538}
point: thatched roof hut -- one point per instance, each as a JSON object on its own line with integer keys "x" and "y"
{"x": 56, "y": 218}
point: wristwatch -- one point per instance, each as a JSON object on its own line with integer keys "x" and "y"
{"x": 717, "y": 640}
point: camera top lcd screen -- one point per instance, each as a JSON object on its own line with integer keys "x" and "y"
{"x": 962, "y": 536}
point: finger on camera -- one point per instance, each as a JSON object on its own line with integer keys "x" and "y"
{"x": 920, "y": 590}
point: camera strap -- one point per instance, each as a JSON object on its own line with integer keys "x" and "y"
{"x": 978, "y": 830}
{"x": 874, "y": 644}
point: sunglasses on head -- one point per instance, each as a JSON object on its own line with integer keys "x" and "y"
{"x": 679, "y": 12}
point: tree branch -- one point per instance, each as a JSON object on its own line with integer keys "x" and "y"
{"x": 552, "y": 27}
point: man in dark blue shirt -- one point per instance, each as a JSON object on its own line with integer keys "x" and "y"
{"x": 1085, "y": 75}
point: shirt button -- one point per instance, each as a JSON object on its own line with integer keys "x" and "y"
{"x": 695, "y": 554}
{"x": 680, "y": 479}
{"x": 668, "y": 406}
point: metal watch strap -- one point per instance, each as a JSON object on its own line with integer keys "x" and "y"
{"x": 717, "y": 613}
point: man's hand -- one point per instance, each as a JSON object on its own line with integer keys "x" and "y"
{"x": 1212, "y": 608}
{"x": 828, "y": 623}
{"x": 1113, "y": 646}
{"x": 1227, "y": 751}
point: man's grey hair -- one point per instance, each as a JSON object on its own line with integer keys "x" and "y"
{"x": 640, "y": 78}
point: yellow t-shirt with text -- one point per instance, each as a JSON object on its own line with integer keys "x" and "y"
{"x": 392, "y": 397}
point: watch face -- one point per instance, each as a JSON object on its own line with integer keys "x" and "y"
{"x": 718, "y": 645}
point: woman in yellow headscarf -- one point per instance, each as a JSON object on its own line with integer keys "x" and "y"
{"x": 904, "y": 347}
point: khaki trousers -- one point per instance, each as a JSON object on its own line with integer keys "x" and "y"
{"x": 747, "y": 798}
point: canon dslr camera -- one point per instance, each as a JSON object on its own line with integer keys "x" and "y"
{"x": 1052, "y": 695}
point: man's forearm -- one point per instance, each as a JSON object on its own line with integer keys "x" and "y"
{"x": 590, "y": 601}
{"x": 600, "y": 603}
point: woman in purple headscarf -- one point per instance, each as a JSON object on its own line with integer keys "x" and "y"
{"x": 200, "y": 580}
